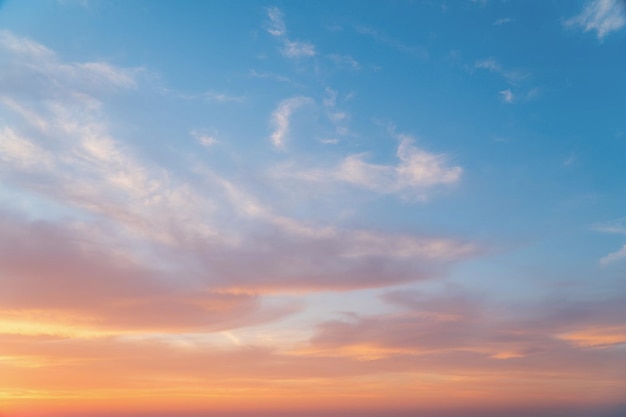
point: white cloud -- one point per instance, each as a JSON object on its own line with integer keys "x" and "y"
{"x": 204, "y": 139}
{"x": 571, "y": 158}
{"x": 416, "y": 172}
{"x": 617, "y": 226}
{"x": 277, "y": 24}
{"x": 602, "y": 16}
{"x": 492, "y": 65}
{"x": 222, "y": 98}
{"x": 337, "y": 117}
{"x": 489, "y": 64}
{"x": 384, "y": 39}
{"x": 17, "y": 151}
{"x": 507, "y": 95}
{"x": 291, "y": 48}
{"x": 297, "y": 49}
{"x": 280, "y": 118}
{"x": 23, "y": 59}
{"x": 502, "y": 21}
{"x": 345, "y": 61}
{"x": 614, "y": 256}
{"x": 267, "y": 75}
{"x": 59, "y": 133}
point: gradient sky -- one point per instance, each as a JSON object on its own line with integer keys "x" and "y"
{"x": 402, "y": 208}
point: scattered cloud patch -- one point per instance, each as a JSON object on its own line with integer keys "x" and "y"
{"x": 276, "y": 25}
{"x": 298, "y": 49}
{"x": 502, "y": 21}
{"x": 507, "y": 95}
{"x": 571, "y": 158}
{"x": 617, "y": 226}
{"x": 222, "y": 98}
{"x": 280, "y": 119}
{"x": 291, "y": 48}
{"x": 613, "y": 257}
{"x": 345, "y": 61}
{"x": 267, "y": 75}
{"x": 337, "y": 117}
{"x": 204, "y": 139}
{"x": 492, "y": 65}
{"x": 601, "y": 16}
{"x": 384, "y": 39}
{"x": 21, "y": 54}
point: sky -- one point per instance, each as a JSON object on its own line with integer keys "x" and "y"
{"x": 329, "y": 208}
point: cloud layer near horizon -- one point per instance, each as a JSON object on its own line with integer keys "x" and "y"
{"x": 146, "y": 255}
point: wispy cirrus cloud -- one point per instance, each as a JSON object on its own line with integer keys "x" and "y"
{"x": 617, "y": 226}
{"x": 53, "y": 269}
{"x": 345, "y": 61}
{"x": 387, "y": 40}
{"x": 612, "y": 257}
{"x": 204, "y": 138}
{"x": 223, "y": 97}
{"x": 502, "y": 21}
{"x": 298, "y": 49}
{"x": 601, "y": 16}
{"x": 490, "y": 64}
{"x": 276, "y": 26}
{"x": 291, "y": 48}
{"x": 64, "y": 151}
{"x": 281, "y": 116}
{"x": 43, "y": 65}
{"x": 515, "y": 79}
{"x": 507, "y": 95}
{"x": 337, "y": 117}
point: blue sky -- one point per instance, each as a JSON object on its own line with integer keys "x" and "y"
{"x": 316, "y": 171}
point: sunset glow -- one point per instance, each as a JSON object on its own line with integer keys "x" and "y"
{"x": 307, "y": 209}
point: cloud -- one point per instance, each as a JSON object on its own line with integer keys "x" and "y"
{"x": 277, "y": 24}
{"x": 222, "y": 98}
{"x": 204, "y": 139}
{"x": 601, "y": 16}
{"x": 617, "y": 226}
{"x": 440, "y": 345}
{"x": 291, "y": 48}
{"x": 492, "y": 65}
{"x": 454, "y": 321}
{"x": 280, "y": 119}
{"x": 502, "y": 21}
{"x": 267, "y": 75}
{"x": 337, "y": 117}
{"x": 416, "y": 172}
{"x": 384, "y": 39}
{"x": 345, "y": 61}
{"x": 298, "y": 49}
{"x": 60, "y": 276}
{"x": 30, "y": 66}
{"x": 614, "y": 257}
{"x": 571, "y": 158}
{"x": 507, "y": 95}
{"x": 154, "y": 223}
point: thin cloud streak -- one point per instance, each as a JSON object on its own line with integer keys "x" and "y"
{"x": 281, "y": 116}
{"x": 294, "y": 49}
{"x": 601, "y": 16}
